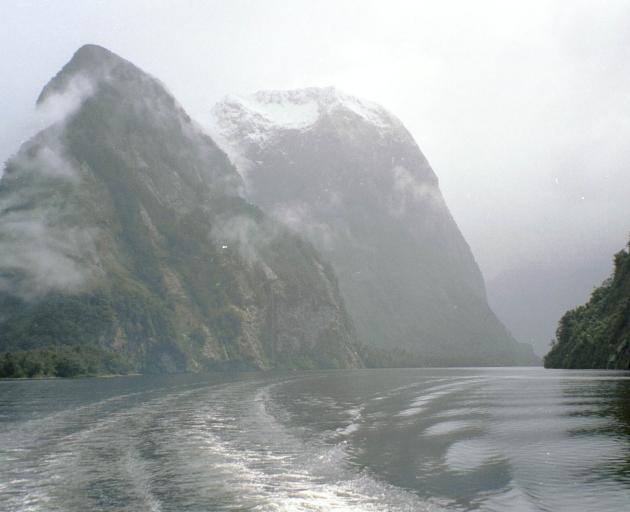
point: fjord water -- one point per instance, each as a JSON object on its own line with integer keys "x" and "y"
{"x": 414, "y": 439}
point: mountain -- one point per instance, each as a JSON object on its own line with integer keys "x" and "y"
{"x": 122, "y": 229}
{"x": 597, "y": 334}
{"x": 346, "y": 174}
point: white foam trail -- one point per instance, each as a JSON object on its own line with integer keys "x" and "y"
{"x": 289, "y": 474}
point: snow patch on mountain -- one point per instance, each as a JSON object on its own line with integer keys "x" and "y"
{"x": 239, "y": 123}
{"x": 257, "y": 117}
{"x": 282, "y": 110}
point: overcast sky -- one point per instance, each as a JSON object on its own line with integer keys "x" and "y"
{"x": 522, "y": 108}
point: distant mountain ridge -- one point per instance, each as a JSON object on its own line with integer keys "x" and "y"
{"x": 122, "y": 228}
{"x": 597, "y": 334}
{"x": 346, "y": 174}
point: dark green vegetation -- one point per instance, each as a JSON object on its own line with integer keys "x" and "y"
{"x": 122, "y": 231}
{"x": 62, "y": 361}
{"x": 358, "y": 187}
{"x": 597, "y": 334}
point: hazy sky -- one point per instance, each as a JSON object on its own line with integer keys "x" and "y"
{"x": 522, "y": 108}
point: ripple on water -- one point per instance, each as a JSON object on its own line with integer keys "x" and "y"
{"x": 420, "y": 403}
{"x": 470, "y": 454}
{"x": 451, "y": 427}
{"x": 513, "y": 499}
{"x": 464, "y": 412}
{"x": 263, "y": 444}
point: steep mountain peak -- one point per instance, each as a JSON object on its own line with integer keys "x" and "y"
{"x": 89, "y": 64}
{"x": 121, "y": 227}
{"x": 90, "y": 55}
{"x": 100, "y": 101}
{"x": 268, "y": 111}
{"x": 348, "y": 175}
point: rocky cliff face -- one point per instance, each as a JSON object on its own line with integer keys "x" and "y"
{"x": 121, "y": 227}
{"x": 346, "y": 174}
{"x": 597, "y": 334}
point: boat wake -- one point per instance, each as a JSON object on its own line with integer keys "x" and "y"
{"x": 211, "y": 448}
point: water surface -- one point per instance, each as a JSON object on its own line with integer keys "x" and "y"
{"x": 365, "y": 440}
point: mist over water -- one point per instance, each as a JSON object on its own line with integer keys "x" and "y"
{"x": 418, "y": 439}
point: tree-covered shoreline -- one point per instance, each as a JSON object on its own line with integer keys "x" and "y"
{"x": 62, "y": 361}
{"x": 597, "y": 334}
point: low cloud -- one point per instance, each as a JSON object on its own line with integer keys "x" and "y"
{"x": 37, "y": 257}
{"x": 246, "y": 235}
{"x": 44, "y": 245}
{"x": 57, "y": 106}
{"x": 242, "y": 231}
{"x": 298, "y": 218}
{"x": 408, "y": 190}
